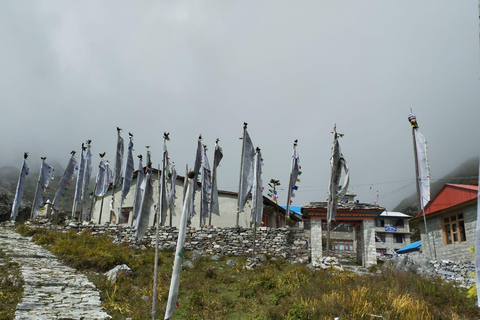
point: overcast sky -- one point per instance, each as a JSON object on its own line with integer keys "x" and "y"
{"x": 75, "y": 70}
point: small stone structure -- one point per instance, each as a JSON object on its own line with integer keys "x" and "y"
{"x": 288, "y": 243}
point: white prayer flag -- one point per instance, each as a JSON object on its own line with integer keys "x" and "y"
{"x": 46, "y": 172}
{"x": 217, "y": 157}
{"x": 257, "y": 193}
{"x": 20, "y": 188}
{"x": 139, "y": 192}
{"x": 147, "y": 203}
{"x": 206, "y": 189}
{"x": 246, "y": 171}
{"x": 337, "y": 163}
{"x": 65, "y": 181}
{"x": 88, "y": 171}
{"x": 117, "y": 170}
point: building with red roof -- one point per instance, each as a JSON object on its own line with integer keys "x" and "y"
{"x": 451, "y": 222}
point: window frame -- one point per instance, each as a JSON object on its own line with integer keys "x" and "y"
{"x": 453, "y": 228}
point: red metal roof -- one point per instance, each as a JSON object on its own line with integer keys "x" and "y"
{"x": 450, "y": 195}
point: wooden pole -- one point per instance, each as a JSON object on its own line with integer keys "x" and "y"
{"x": 418, "y": 181}
{"x": 290, "y": 186}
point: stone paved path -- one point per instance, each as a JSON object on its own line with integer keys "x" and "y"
{"x": 51, "y": 291}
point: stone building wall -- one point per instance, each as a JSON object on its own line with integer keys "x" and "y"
{"x": 456, "y": 251}
{"x": 287, "y": 243}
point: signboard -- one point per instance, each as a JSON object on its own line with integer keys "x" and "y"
{"x": 391, "y": 229}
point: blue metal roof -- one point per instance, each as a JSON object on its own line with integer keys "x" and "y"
{"x": 411, "y": 247}
{"x": 296, "y": 209}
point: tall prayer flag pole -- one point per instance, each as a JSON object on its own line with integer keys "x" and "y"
{"x": 42, "y": 183}
{"x": 214, "y": 207}
{"x": 337, "y": 162}
{"x": 78, "y": 185}
{"x": 422, "y": 173}
{"x": 177, "y": 266}
{"x": 20, "y": 188}
{"x": 245, "y": 183}
{"x": 294, "y": 173}
{"x": 117, "y": 172}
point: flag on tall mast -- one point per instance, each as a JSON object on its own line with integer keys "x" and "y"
{"x": 206, "y": 188}
{"x": 20, "y": 187}
{"x": 163, "y": 200}
{"x": 337, "y": 162}
{"x": 196, "y": 169}
{"x": 217, "y": 157}
{"x": 79, "y": 184}
{"x": 422, "y": 170}
{"x": 173, "y": 179}
{"x": 294, "y": 173}
{"x": 257, "y": 190}
{"x": 42, "y": 184}
{"x": 127, "y": 180}
{"x": 177, "y": 266}
{"x": 147, "y": 203}
{"x": 65, "y": 181}
{"x": 117, "y": 169}
{"x": 246, "y": 171}
{"x": 88, "y": 169}
{"x": 140, "y": 189}
{"x": 117, "y": 174}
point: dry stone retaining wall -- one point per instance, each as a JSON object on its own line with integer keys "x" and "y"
{"x": 287, "y": 243}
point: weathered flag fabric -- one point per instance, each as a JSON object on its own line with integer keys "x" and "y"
{"x": 79, "y": 183}
{"x": 294, "y": 172}
{"x": 65, "y": 182}
{"x": 206, "y": 189}
{"x": 147, "y": 203}
{"x": 19, "y": 190}
{"x": 257, "y": 193}
{"x": 246, "y": 172}
{"x": 139, "y": 192}
{"x": 88, "y": 172}
{"x": 173, "y": 179}
{"x": 423, "y": 168}
{"x": 337, "y": 162}
{"x": 177, "y": 266}
{"x": 44, "y": 177}
{"x": 196, "y": 169}
{"x": 129, "y": 170}
{"x": 218, "y": 155}
{"x": 117, "y": 169}
{"x": 100, "y": 183}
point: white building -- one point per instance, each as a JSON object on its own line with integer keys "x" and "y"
{"x": 392, "y": 232}
{"x": 272, "y": 216}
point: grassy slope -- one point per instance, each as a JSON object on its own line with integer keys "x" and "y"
{"x": 10, "y": 286}
{"x": 277, "y": 290}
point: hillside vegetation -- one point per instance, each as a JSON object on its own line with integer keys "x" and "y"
{"x": 276, "y": 290}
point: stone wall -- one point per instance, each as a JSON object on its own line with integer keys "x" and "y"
{"x": 456, "y": 251}
{"x": 287, "y": 243}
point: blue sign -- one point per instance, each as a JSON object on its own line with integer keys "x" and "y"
{"x": 391, "y": 229}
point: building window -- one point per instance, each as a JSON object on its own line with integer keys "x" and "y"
{"x": 338, "y": 226}
{"x": 379, "y": 237}
{"x": 379, "y": 223}
{"x": 125, "y": 215}
{"x": 454, "y": 229}
{"x": 399, "y": 223}
{"x": 342, "y": 245}
{"x": 398, "y": 238}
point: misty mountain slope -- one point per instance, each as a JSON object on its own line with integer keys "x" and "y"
{"x": 465, "y": 173}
